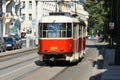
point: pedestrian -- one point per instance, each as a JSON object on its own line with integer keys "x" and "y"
{"x": 97, "y": 37}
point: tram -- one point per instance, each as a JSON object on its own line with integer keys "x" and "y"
{"x": 61, "y": 38}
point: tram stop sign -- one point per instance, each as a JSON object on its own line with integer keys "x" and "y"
{"x": 111, "y": 26}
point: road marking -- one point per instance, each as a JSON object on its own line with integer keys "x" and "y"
{"x": 15, "y": 70}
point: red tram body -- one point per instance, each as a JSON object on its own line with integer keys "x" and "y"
{"x": 61, "y": 37}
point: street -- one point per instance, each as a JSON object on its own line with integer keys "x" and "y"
{"x": 26, "y": 66}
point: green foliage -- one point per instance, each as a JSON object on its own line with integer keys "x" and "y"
{"x": 98, "y": 15}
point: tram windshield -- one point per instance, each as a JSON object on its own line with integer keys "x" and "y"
{"x": 55, "y": 30}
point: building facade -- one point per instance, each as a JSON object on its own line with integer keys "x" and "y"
{"x": 28, "y": 13}
{"x": 11, "y": 21}
{"x": 1, "y": 19}
{"x": 31, "y": 11}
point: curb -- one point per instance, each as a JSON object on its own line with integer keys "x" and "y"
{"x": 17, "y": 51}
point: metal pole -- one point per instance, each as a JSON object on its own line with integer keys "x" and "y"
{"x": 28, "y": 38}
{"x": 111, "y": 41}
{"x": 0, "y": 28}
{"x": 56, "y": 6}
{"x": 117, "y": 53}
{"x": 75, "y": 7}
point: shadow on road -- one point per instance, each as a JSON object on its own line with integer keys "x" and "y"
{"x": 56, "y": 63}
{"x": 99, "y": 63}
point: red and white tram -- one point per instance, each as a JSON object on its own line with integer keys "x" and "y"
{"x": 61, "y": 37}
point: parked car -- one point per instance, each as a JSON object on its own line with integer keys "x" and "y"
{"x": 101, "y": 38}
{"x": 18, "y": 40}
{"x": 10, "y": 43}
{"x": 2, "y": 45}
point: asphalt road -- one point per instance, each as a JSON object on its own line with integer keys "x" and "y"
{"x": 27, "y": 66}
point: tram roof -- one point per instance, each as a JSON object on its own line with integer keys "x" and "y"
{"x": 58, "y": 19}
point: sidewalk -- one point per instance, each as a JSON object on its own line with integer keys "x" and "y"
{"x": 112, "y": 72}
{"x": 12, "y": 52}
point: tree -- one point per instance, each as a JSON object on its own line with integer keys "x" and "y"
{"x": 98, "y": 15}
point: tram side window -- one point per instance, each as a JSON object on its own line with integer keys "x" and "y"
{"x": 40, "y": 30}
{"x": 84, "y": 31}
{"x": 80, "y": 31}
{"x": 69, "y": 30}
{"x": 63, "y": 30}
{"x": 44, "y": 30}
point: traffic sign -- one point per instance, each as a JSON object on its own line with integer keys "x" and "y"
{"x": 111, "y": 25}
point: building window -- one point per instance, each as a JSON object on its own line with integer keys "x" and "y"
{"x": 30, "y": 4}
{"x": 23, "y": 16}
{"x": 30, "y": 17}
{"x": 23, "y": 4}
{"x": 0, "y": 4}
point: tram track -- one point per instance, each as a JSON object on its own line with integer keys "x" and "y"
{"x": 17, "y": 63}
{"x": 23, "y": 71}
{"x": 7, "y": 58}
{"x": 20, "y": 66}
{"x": 63, "y": 66}
{"x": 24, "y": 63}
{"x": 20, "y": 71}
{"x": 27, "y": 73}
{"x": 17, "y": 59}
{"x": 59, "y": 73}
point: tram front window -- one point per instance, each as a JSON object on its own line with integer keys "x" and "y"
{"x": 55, "y": 30}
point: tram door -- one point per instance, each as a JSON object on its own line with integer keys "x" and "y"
{"x": 76, "y": 40}
{"x": 76, "y": 36}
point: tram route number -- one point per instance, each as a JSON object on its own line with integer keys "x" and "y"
{"x": 53, "y": 48}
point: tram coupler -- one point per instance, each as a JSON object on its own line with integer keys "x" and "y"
{"x": 52, "y": 59}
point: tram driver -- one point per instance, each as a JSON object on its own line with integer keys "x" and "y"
{"x": 53, "y": 30}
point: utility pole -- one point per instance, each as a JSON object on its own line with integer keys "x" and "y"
{"x": 117, "y": 52}
{"x": 56, "y": 6}
{"x": 110, "y": 24}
